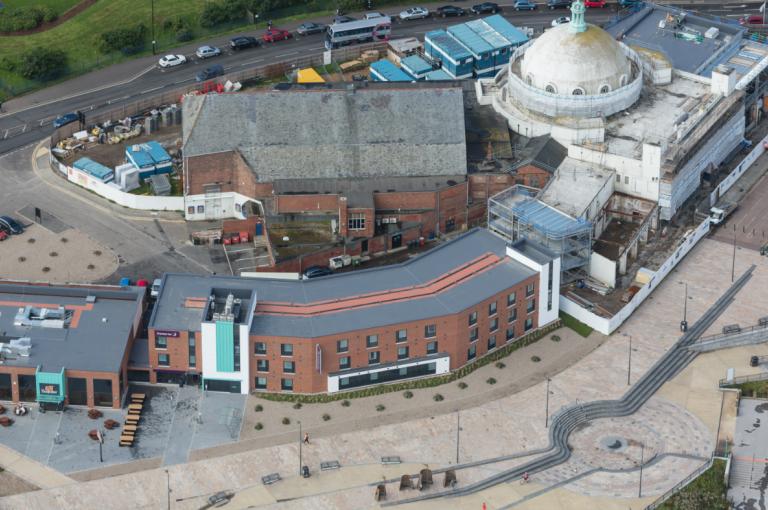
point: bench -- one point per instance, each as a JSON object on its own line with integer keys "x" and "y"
{"x": 134, "y": 412}
{"x": 762, "y": 321}
{"x": 270, "y": 479}
{"x": 134, "y": 407}
{"x": 392, "y": 459}
{"x": 126, "y": 442}
{"x": 132, "y": 421}
{"x": 138, "y": 396}
{"x": 130, "y": 428}
{"x": 731, "y": 328}
{"x": 329, "y": 464}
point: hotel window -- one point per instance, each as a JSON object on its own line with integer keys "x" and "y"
{"x": 473, "y": 318}
{"x": 161, "y": 342}
{"x": 473, "y": 335}
{"x": 510, "y": 333}
{"x": 494, "y": 324}
{"x": 491, "y": 342}
{"x": 344, "y": 363}
{"x": 401, "y": 335}
{"x": 512, "y": 315}
{"x": 200, "y": 209}
{"x": 491, "y": 309}
{"x": 163, "y": 360}
{"x": 262, "y": 365}
{"x": 471, "y": 352}
{"x": 261, "y": 383}
{"x": 531, "y": 305}
{"x": 342, "y": 345}
{"x": 373, "y": 358}
{"x": 289, "y": 367}
{"x": 529, "y": 289}
{"x": 356, "y": 221}
{"x": 192, "y": 354}
{"x": 626, "y": 179}
{"x": 371, "y": 341}
{"x": 286, "y": 349}
{"x": 549, "y": 287}
{"x": 260, "y": 348}
{"x": 402, "y": 352}
{"x": 191, "y": 209}
{"x": 511, "y": 299}
{"x": 528, "y": 323}
{"x": 618, "y": 178}
{"x": 432, "y": 348}
{"x": 286, "y": 384}
{"x": 430, "y": 331}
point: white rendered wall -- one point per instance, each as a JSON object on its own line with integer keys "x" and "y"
{"x": 545, "y": 315}
{"x": 443, "y": 366}
{"x": 208, "y": 339}
{"x": 228, "y": 203}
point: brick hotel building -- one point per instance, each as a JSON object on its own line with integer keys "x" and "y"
{"x": 428, "y": 316}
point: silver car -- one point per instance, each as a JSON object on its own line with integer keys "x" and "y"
{"x": 207, "y": 52}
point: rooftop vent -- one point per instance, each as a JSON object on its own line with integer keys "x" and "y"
{"x": 90, "y": 298}
{"x": 32, "y": 316}
{"x": 16, "y": 347}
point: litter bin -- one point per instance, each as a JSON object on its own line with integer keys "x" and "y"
{"x": 305, "y": 471}
{"x": 754, "y": 361}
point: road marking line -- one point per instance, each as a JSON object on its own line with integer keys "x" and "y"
{"x": 151, "y": 90}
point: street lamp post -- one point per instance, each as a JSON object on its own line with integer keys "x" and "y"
{"x": 546, "y": 408}
{"x": 299, "y": 421}
{"x": 684, "y": 322}
{"x": 642, "y": 460}
{"x": 168, "y": 489}
{"x": 733, "y": 259}
{"x": 154, "y": 43}
{"x": 458, "y": 434}
{"x": 629, "y": 360}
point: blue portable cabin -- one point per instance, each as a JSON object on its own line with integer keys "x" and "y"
{"x": 437, "y": 75}
{"x": 140, "y": 158}
{"x": 96, "y": 170}
{"x": 415, "y": 66}
{"x": 491, "y": 41}
{"x": 456, "y": 59}
{"x": 163, "y": 160}
{"x": 384, "y": 70}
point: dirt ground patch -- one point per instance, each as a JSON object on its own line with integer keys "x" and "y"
{"x": 69, "y": 256}
{"x": 11, "y": 484}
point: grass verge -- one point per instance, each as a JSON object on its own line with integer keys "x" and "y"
{"x": 569, "y": 321}
{"x": 708, "y": 491}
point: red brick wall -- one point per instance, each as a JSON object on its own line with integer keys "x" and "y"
{"x": 409, "y": 201}
{"x": 307, "y": 203}
{"x": 370, "y": 224}
{"x": 530, "y": 175}
{"x": 484, "y": 185}
{"x": 178, "y": 351}
{"x": 452, "y": 336}
{"x": 452, "y": 206}
{"x": 14, "y": 372}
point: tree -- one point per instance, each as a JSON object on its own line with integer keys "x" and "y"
{"x": 42, "y": 63}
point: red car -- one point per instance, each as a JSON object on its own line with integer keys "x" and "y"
{"x": 595, "y": 3}
{"x": 3, "y": 235}
{"x": 754, "y": 19}
{"x": 276, "y": 34}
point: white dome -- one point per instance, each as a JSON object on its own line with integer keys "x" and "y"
{"x": 571, "y": 63}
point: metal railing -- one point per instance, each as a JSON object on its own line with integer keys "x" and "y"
{"x": 725, "y": 336}
{"x": 688, "y": 479}
{"x": 724, "y": 383}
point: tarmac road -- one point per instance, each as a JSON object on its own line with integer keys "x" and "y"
{"x": 29, "y": 118}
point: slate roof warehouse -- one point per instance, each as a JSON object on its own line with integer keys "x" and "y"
{"x": 427, "y": 316}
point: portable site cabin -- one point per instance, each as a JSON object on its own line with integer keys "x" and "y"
{"x": 384, "y": 70}
{"x": 415, "y": 66}
{"x": 150, "y": 158}
{"x": 95, "y": 170}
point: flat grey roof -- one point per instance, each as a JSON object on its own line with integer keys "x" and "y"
{"x": 170, "y": 312}
{"x": 333, "y": 133}
{"x": 93, "y": 345}
{"x": 574, "y": 186}
{"x": 642, "y": 29}
{"x": 534, "y": 251}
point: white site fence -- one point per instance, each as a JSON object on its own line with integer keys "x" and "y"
{"x": 113, "y": 193}
{"x": 732, "y": 177}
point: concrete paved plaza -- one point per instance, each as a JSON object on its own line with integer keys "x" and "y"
{"x": 174, "y": 421}
{"x": 679, "y": 425}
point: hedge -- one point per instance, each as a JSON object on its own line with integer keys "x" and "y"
{"x": 428, "y": 382}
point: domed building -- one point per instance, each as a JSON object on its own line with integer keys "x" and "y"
{"x": 574, "y": 71}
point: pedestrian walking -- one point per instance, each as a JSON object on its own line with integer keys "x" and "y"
{"x": 525, "y": 477}
{"x": 306, "y": 438}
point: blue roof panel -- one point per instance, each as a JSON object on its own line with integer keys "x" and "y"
{"x": 138, "y": 156}
{"x": 389, "y": 71}
{"x": 511, "y": 33}
{"x": 548, "y": 219}
{"x": 157, "y": 152}
{"x": 437, "y": 75}
{"x": 448, "y": 44}
{"x": 415, "y": 65}
{"x": 92, "y": 168}
{"x": 467, "y": 37}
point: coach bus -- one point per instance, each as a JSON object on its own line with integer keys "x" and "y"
{"x": 358, "y": 31}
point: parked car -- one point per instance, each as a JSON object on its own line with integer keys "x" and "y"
{"x": 276, "y": 34}
{"x": 560, "y": 20}
{"x": 754, "y": 19}
{"x": 316, "y": 272}
{"x": 207, "y": 52}
{"x": 11, "y": 225}
{"x": 486, "y": 7}
{"x": 210, "y": 73}
{"x": 63, "y": 120}
{"x": 172, "y": 60}
{"x": 598, "y": 4}
{"x": 450, "y": 10}
{"x": 557, "y": 4}
{"x": 310, "y": 28}
{"x": 414, "y": 13}
{"x": 343, "y": 18}
{"x": 372, "y": 15}
{"x": 242, "y": 42}
{"x": 155, "y": 290}
{"x": 525, "y": 5}
{"x": 142, "y": 283}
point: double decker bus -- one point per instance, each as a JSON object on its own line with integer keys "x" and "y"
{"x": 358, "y": 31}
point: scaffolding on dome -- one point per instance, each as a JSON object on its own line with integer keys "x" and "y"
{"x": 516, "y": 213}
